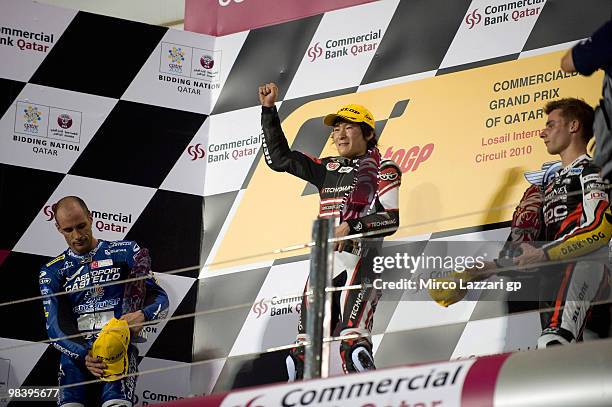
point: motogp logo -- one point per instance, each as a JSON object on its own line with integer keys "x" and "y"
{"x": 473, "y": 18}
{"x": 196, "y": 152}
{"x": 260, "y": 308}
{"x": 315, "y": 52}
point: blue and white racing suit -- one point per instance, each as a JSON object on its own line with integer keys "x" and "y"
{"x": 95, "y": 294}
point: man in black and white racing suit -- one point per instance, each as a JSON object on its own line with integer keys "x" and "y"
{"x": 577, "y": 222}
{"x": 360, "y": 191}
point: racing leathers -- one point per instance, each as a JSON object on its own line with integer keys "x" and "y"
{"x": 91, "y": 294}
{"x": 334, "y": 179}
{"x": 577, "y": 222}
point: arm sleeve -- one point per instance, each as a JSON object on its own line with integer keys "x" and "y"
{"x": 60, "y": 321}
{"x": 596, "y": 228}
{"x": 595, "y": 52}
{"x": 281, "y": 158}
{"x": 386, "y": 218}
{"x": 527, "y": 225}
{"x": 154, "y": 298}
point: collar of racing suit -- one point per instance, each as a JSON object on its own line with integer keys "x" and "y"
{"x": 85, "y": 258}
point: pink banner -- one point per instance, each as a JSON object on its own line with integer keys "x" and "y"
{"x": 222, "y": 17}
{"x": 467, "y": 383}
{"x": 479, "y": 385}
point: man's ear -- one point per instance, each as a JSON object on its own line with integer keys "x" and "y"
{"x": 574, "y": 126}
{"x": 370, "y": 136}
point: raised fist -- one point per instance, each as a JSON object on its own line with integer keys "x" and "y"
{"x": 268, "y": 94}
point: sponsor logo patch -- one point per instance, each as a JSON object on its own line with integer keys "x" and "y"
{"x": 332, "y": 166}
{"x": 101, "y": 263}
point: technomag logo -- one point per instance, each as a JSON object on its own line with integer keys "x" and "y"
{"x": 103, "y": 221}
{"x": 495, "y": 14}
{"x": 342, "y": 47}
{"x": 278, "y": 306}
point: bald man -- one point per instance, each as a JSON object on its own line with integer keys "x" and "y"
{"x": 92, "y": 272}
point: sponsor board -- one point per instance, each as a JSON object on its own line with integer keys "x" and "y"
{"x": 458, "y": 132}
{"x": 200, "y": 67}
{"x": 339, "y": 43}
{"x": 499, "y": 27}
{"x": 48, "y": 129}
{"x": 26, "y": 40}
{"x": 112, "y": 218}
{"x": 233, "y": 144}
{"x": 273, "y": 317}
{"x": 186, "y": 71}
{"x": 438, "y": 384}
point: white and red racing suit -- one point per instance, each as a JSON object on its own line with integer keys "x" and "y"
{"x": 334, "y": 178}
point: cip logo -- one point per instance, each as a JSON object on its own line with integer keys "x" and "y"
{"x": 207, "y": 61}
{"x": 473, "y": 18}
{"x": 315, "y": 52}
{"x": 64, "y": 121}
{"x": 196, "y": 151}
{"x": 260, "y": 307}
{"x": 48, "y": 211}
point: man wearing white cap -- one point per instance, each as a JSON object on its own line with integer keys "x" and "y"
{"x": 359, "y": 190}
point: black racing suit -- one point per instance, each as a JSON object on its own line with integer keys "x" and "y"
{"x": 577, "y": 222}
{"x": 333, "y": 177}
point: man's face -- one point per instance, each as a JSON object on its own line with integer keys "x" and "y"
{"x": 75, "y": 225}
{"x": 349, "y": 139}
{"x": 556, "y": 134}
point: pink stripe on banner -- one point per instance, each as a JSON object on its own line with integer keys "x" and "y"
{"x": 3, "y": 255}
{"x": 479, "y": 385}
{"x": 214, "y": 400}
{"x": 222, "y": 17}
